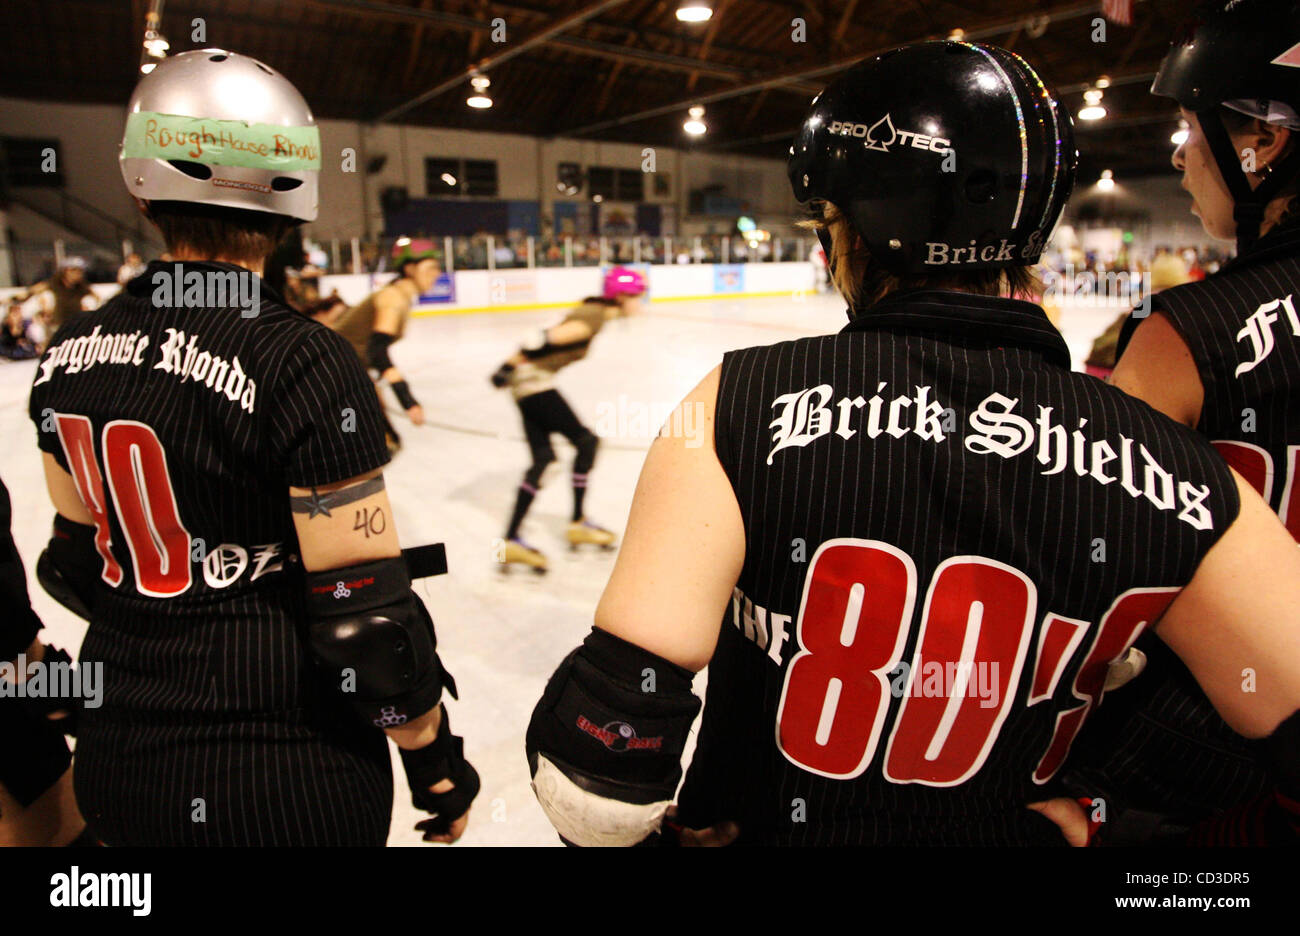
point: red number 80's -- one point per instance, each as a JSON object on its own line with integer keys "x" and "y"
{"x": 977, "y": 623}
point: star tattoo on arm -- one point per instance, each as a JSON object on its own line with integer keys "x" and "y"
{"x": 318, "y": 504}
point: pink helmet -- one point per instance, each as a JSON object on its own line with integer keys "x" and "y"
{"x": 621, "y": 281}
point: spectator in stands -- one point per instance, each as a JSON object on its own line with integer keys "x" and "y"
{"x": 304, "y": 285}
{"x": 16, "y": 341}
{"x": 129, "y": 270}
{"x": 1168, "y": 269}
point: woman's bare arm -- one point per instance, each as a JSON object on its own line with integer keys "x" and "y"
{"x": 1158, "y": 367}
{"x": 684, "y": 546}
{"x": 1237, "y": 625}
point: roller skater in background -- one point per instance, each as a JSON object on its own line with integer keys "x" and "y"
{"x": 380, "y": 320}
{"x": 530, "y": 375}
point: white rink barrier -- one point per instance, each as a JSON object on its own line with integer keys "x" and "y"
{"x": 552, "y": 287}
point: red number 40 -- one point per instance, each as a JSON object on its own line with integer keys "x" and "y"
{"x": 146, "y": 502}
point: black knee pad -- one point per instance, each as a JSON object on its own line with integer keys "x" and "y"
{"x": 586, "y": 445}
{"x": 541, "y": 461}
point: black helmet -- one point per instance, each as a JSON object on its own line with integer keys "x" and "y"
{"x": 1244, "y": 54}
{"x": 944, "y": 155}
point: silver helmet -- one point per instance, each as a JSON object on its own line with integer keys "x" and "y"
{"x": 219, "y": 128}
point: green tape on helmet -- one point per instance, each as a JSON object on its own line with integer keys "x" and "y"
{"x": 221, "y": 142}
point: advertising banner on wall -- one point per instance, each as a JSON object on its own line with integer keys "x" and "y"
{"x": 729, "y": 278}
{"x": 443, "y": 291}
{"x": 513, "y": 288}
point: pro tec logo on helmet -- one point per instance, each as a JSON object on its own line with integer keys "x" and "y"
{"x": 881, "y": 135}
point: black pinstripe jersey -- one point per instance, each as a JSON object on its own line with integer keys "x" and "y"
{"x": 20, "y": 624}
{"x": 1243, "y": 329}
{"x": 183, "y": 426}
{"x": 949, "y": 538}
{"x": 1161, "y": 746}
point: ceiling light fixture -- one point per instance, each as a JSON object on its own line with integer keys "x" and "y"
{"x": 694, "y": 11}
{"x": 1093, "y": 108}
{"x": 479, "y": 99}
{"x": 695, "y": 125}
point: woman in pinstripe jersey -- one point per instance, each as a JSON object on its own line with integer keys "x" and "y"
{"x": 204, "y": 460}
{"x": 1222, "y": 357}
{"x": 915, "y": 548}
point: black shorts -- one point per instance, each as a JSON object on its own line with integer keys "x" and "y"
{"x": 546, "y": 413}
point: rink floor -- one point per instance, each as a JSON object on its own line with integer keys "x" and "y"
{"x": 503, "y": 635}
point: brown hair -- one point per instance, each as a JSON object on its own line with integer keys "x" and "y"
{"x": 1235, "y": 121}
{"x": 863, "y": 281}
{"x": 212, "y": 231}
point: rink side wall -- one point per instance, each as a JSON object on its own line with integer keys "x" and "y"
{"x": 520, "y": 290}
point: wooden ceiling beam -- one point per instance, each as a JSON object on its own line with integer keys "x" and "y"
{"x": 843, "y": 25}
{"x": 714, "y": 22}
{"x": 417, "y": 37}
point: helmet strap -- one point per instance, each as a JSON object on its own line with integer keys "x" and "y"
{"x": 824, "y": 237}
{"x": 1250, "y": 204}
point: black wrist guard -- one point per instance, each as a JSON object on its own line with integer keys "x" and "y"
{"x": 402, "y": 390}
{"x": 69, "y": 568}
{"x": 444, "y": 759}
{"x": 502, "y": 376}
{"x": 369, "y": 631}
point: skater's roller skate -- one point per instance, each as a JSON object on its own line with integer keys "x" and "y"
{"x": 584, "y": 531}
{"x": 517, "y": 552}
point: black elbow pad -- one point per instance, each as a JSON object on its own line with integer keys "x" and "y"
{"x": 377, "y": 351}
{"x": 69, "y": 569}
{"x": 376, "y": 640}
{"x": 605, "y": 742}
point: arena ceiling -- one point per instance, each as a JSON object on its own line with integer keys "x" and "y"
{"x": 599, "y": 69}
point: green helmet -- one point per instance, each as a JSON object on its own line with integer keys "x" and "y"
{"x": 407, "y": 250}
